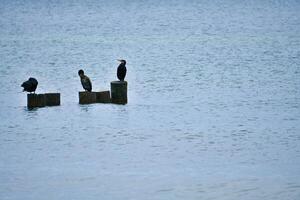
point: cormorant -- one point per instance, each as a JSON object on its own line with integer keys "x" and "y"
{"x": 30, "y": 85}
{"x": 85, "y": 81}
{"x": 121, "y": 72}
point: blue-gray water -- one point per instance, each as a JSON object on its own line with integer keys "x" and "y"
{"x": 214, "y": 100}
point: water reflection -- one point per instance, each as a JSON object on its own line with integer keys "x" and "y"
{"x": 31, "y": 113}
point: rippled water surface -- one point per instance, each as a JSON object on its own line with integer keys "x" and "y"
{"x": 214, "y": 100}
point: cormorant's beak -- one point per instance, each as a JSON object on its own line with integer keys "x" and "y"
{"x": 119, "y": 60}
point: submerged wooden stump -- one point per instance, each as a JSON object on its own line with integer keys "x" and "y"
{"x": 103, "y": 97}
{"x": 87, "y": 97}
{"x": 36, "y": 100}
{"x": 42, "y": 100}
{"x": 118, "y": 92}
{"x": 52, "y": 99}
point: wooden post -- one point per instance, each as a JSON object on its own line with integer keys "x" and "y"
{"x": 87, "y": 97}
{"x": 35, "y": 100}
{"x": 118, "y": 92}
{"x": 103, "y": 97}
{"x": 52, "y": 99}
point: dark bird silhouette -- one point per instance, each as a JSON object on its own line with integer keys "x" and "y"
{"x": 121, "y": 72}
{"x": 85, "y": 81}
{"x": 30, "y": 85}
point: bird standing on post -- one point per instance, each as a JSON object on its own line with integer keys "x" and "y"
{"x": 121, "y": 72}
{"x": 85, "y": 81}
{"x": 30, "y": 85}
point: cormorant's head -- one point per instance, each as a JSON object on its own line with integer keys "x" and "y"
{"x": 122, "y": 61}
{"x": 80, "y": 72}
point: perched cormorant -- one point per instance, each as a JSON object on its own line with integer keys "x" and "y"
{"x": 30, "y": 85}
{"x": 85, "y": 81}
{"x": 121, "y": 72}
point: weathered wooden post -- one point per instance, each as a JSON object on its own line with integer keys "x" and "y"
{"x": 42, "y": 100}
{"x": 36, "y": 100}
{"x": 52, "y": 99}
{"x": 103, "y": 97}
{"x": 87, "y": 97}
{"x": 118, "y": 92}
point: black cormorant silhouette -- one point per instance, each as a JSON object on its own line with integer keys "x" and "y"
{"x": 30, "y": 85}
{"x": 121, "y": 72}
{"x": 85, "y": 81}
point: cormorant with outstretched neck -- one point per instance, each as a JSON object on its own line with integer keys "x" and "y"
{"x": 121, "y": 72}
{"x": 85, "y": 81}
{"x": 30, "y": 85}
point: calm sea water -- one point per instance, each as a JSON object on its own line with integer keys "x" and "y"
{"x": 214, "y": 100}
